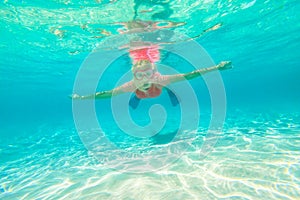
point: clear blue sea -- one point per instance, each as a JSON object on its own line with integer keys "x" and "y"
{"x": 50, "y": 149}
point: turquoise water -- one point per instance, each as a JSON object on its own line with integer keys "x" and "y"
{"x": 44, "y": 156}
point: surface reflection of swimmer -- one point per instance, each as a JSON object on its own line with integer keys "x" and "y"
{"x": 138, "y": 26}
{"x": 159, "y": 31}
{"x": 147, "y": 82}
{"x": 163, "y": 7}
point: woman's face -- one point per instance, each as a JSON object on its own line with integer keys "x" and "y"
{"x": 143, "y": 75}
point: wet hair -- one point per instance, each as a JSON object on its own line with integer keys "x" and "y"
{"x": 141, "y": 63}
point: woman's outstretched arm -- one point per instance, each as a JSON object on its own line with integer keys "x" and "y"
{"x": 126, "y": 87}
{"x": 97, "y": 95}
{"x": 180, "y": 77}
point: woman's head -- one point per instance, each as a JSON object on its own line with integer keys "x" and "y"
{"x": 144, "y": 68}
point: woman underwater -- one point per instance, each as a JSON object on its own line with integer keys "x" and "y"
{"x": 147, "y": 82}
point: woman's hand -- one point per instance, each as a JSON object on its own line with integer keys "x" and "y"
{"x": 75, "y": 97}
{"x": 224, "y": 65}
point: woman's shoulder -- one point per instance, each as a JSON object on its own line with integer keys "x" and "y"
{"x": 161, "y": 79}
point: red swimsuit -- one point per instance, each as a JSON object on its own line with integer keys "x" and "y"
{"x": 153, "y": 91}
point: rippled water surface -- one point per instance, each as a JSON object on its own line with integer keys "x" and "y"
{"x": 44, "y": 44}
